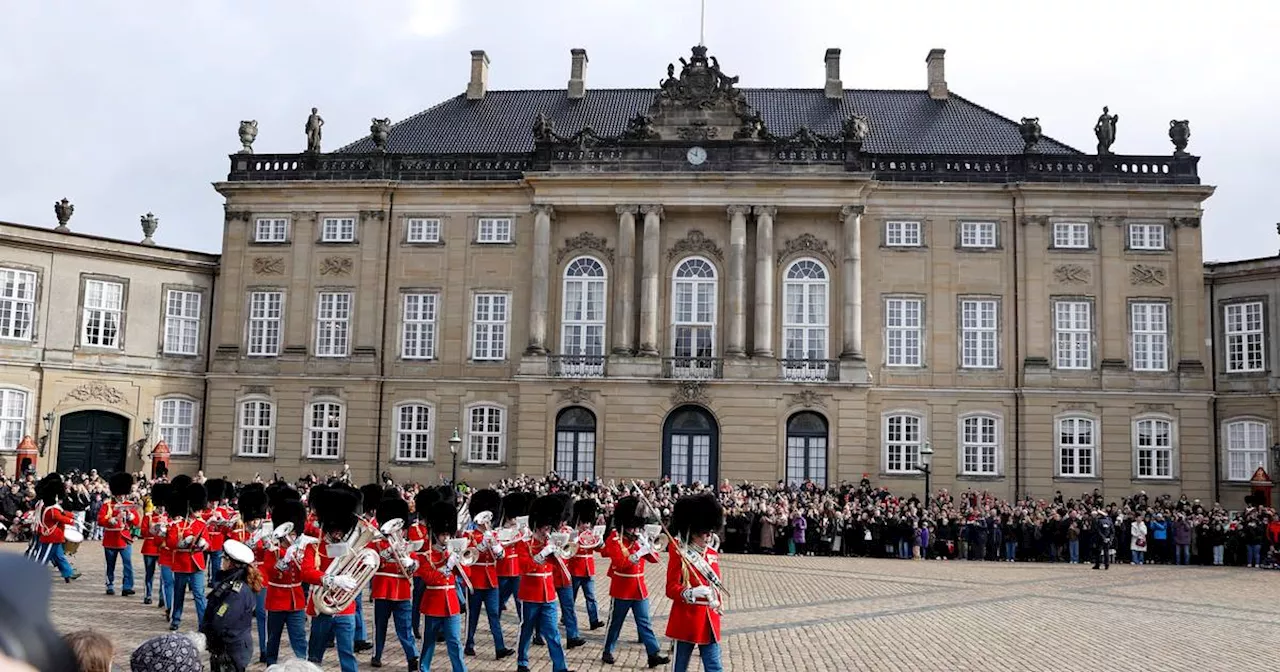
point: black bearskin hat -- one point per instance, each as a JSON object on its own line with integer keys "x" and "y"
{"x": 197, "y": 497}
{"x": 547, "y": 511}
{"x": 422, "y": 502}
{"x": 567, "y": 500}
{"x": 448, "y": 494}
{"x": 628, "y": 514}
{"x": 442, "y": 518}
{"x": 176, "y": 502}
{"x": 696, "y": 514}
{"x": 392, "y": 507}
{"x": 160, "y": 495}
{"x": 278, "y": 492}
{"x": 216, "y": 489}
{"x": 121, "y": 483}
{"x": 585, "y": 512}
{"x": 336, "y": 508}
{"x": 51, "y": 488}
{"x": 484, "y": 500}
{"x": 370, "y": 498}
{"x": 315, "y": 494}
{"x": 252, "y": 503}
{"x": 179, "y": 483}
{"x": 290, "y": 511}
{"x": 514, "y": 505}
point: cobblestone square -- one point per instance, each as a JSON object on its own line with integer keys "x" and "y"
{"x": 789, "y": 613}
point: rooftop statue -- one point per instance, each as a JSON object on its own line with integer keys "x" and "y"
{"x": 314, "y": 123}
{"x": 1180, "y": 133}
{"x": 1105, "y": 129}
{"x": 248, "y": 133}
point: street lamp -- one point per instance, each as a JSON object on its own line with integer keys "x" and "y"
{"x": 926, "y": 465}
{"x": 454, "y": 442}
{"x": 146, "y": 436}
{"x": 48, "y": 428}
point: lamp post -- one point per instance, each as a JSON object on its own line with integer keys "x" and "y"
{"x": 926, "y": 465}
{"x": 454, "y": 442}
{"x": 147, "y": 426}
{"x": 48, "y": 429}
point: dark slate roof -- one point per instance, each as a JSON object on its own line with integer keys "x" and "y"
{"x": 902, "y": 122}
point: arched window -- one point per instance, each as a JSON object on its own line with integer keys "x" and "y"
{"x": 693, "y": 313}
{"x": 807, "y": 449}
{"x": 1153, "y": 448}
{"x": 1246, "y": 448}
{"x": 13, "y": 417}
{"x": 576, "y": 444}
{"x": 691, "y": 446}
{"x": 805, "y": 320}
{"x": 582, "y": 318}
{"x": 414, "y": 422}
{"x": 257, "y": 427}
{"x": 1077, "y": 447}
{"x": 325, "y": 423}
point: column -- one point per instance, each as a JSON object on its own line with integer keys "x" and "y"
{"x": 851, "y": 274}
{"x": 649, "y": 281}
{"x": 624, "y": 286}
{"x": 736, "y": 344}
{"x": 764, "y": 280}
{"x": 541, "y": 278}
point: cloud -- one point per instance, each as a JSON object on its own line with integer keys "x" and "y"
{"x": 432, "y": 18}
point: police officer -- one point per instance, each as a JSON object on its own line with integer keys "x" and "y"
{"x": 228, "y": 617}
{"x": 1104, "y": 534}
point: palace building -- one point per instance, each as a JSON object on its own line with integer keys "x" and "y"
{"x": 710, "y": 281}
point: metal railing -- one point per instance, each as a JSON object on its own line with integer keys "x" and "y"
{"x": 576, "y": 366}
{"x": 692, "y": 368}
{"x": 809, "y": 370}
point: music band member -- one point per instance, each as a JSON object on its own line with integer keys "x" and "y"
{"x": 483, "y": 506}
{"x": 178, "y": 484}
{"x": 188, "y": 536}
{"x": 52, "y": 526}
{"x": 563, "y": 582}
{"x": 117, "y": 518}
{"x": 391, "y": 589}
{"x": 153, "y": 525}
{"x": 216, "y": 517}
{"x": 440, "y": 606}
{"x": 537, "y": 590}
{"x": 422, "y": 502}
{"x": 252, "y": 505}
{"x": 370, "y": 496}
{"x": 335, "y": 510}
{"x": 582, "y": 566}
{"x": 282, "y": 568}
{"x": 227, "y": 625}
{"x": 695, "y": 602}
{"x": 628, "y": 549}
{"x": 514, "y": 505}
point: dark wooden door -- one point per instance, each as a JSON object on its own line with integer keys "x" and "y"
{"x": 92, "y": 440}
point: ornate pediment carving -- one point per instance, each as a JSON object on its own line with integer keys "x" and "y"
{"x": 1071, "y": 274}
{"x": 807, "y": 399}
{"x": 268, "y": 265}
{"x": 575, "y": 395}
{"x": 585, "y": 241}
{"x": 807, "y": 243}
{"x": 690, "y": 392}
{"x": 695, "y": 243}
{"x": 97, "y": 392}
{"x": 336, "y": 266}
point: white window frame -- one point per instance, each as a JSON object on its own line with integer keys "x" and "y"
{"x": 981, "y": 447}
{"x": 492, "y": 332}
{"x": 415, "y": 437}
{"x": 15, "y": 404}
{"x": 333, "y": 323}
{"x": 1150, "y": 469}
{"x": 910, "y": 450}
{"x": 1078, "y": 449}
{"x": 103, "y": 311}
{"x": 1071, "y": 235}
{"x": 808, "y": 328}
{"x": 182, "y": 324}
{"x": 1147, "y": 237}
{"x": 260, "y": 430}
{"x": 695, "y": 356}
{"x": 903, "y": 233}
{"x": 271, "y": 230}
{"x": 979, "y": 235}
{"x": 1149, "y": 335}
{"x": 486, "y": 438}
{"x": 263, "y": 332}
{"x": 1246, "y": 340}
{"x": 330, "y": 432}
{"x": 979, "y": 337}
{"x": 338, "y": 230}
{"x": 903, "y": 337}
{"x": 1236, "y": 441}
{"x": 171, "y": 427}
{"x": 1068, "y": 339}
{"x": 17, "y": 303}
{"x": 419, "y": 322}
{"x": 578, "y": 318}
{"x": 422, "y": 230}
{"x": 494, "y": 230}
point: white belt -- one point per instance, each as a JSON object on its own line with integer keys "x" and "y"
{"x": 630, "y": 576}
{"x": 540, "y": 574}
{"x": 389, "y": 575}
{"x": 442, "y": 588}
{"x": 284, "y": 585}
{"x": 483, "y": 564}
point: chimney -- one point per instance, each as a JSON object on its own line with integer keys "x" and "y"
{"x": 937, "y": 74}
{"x": 578, "y": 74}
{"x": 479, "y": 75}
{"x": 835, "y": 88}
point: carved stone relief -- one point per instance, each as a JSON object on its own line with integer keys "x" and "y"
{"x": 585, "y": 241}
{"x": 1071, "y": 274}
{"x": 268, "y": 265}
{"x": 336, "y": 266}
{"x": 695, "y": 243}
{"x": 690, "y": 391}
{"x": 807, "y": 399}
{"x": 807, "y": 243}
{"x": 575, "y": 395}
{"x": 97, "y": 392}
{"x": 1144, "y": 274}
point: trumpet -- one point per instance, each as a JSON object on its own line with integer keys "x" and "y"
{"x": 509, "y": 536}
{"x": 460, "y": 548}
{"x": 359, "y": 562}
{"x": 591, "y": 539}
{"x": 393, "y": 532}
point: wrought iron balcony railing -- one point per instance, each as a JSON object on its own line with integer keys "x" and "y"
{"x": 576, "y": 366}
{"x": 692, "y": 368}
{"x": 809, "y": 370}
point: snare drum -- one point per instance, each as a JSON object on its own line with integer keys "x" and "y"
{"x": 73, "y": 539}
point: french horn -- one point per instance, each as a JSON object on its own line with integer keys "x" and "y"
{"x": 590, "y": 539}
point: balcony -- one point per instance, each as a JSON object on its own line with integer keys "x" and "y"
{"x": 576, "y": 366}
{"x": 809, "y": 370}
{"x": 692, "y": 368}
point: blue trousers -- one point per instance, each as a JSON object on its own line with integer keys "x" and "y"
{"x": 508, "y": 586}
{"x": 1183, "y": 554}
{"x": 54, "y": 555}
{"x": 489, "y": 598}
{"x": 180, "y": 582}
{"x": 588, "y": 587}
{"x": 451, "y": 626}
{"x": 361, "y": 635}
{"x": 1138, "y": 557}
{"x": 213, "y": 565}
{"x": 343, "y": 629}
{"x": 1073, "y": 550}
{"x": 1010, "y": 550}
{"x": 125, "y": 554}
{"x": 710, "y": 657}
{"x": 402, "y": 612}
{"x": 567, "y": 615}
{"x": 419, "y": 587}
{"x": 1253, "y": 554}
{"x": 542, "y": 617}
{"x": 640, "y": 609}
{"x": 260, "y": 615}
{"x": 166, "y": 586}
{"x": 277, "y": 621}
{"x": 149, "y": 573}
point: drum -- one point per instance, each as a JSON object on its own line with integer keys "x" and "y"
{"x": 73, "y": 539}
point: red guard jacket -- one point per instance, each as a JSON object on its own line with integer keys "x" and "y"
{"x": 118, "y": 534}
{"x": 509, "y": 563}
{"x": 695, "y": 623}
{"x": 440, "y": 599}
{"x": 284, "y": 587}
{"x": 484, "y": 572}
{"x": 536, "y": 583}
{"x": 314, "y": 563}
{"x": 626, "y": 578}
{"x": 52, "y": 524}
{"x": 583, "y": 563}
{"x": 389, "y": 583}
{"x": 216, "y": 537}
{"x": 190, "y": 559}
{"x": 311, "y": 527}
{"x": 151, "y": 541}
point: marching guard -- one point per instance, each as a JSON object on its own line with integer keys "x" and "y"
{"x": 188, "y": 536}
{"x": 483, "y": 506}
{"x": 628, "y": 549}
{"x": 695, "y": 598}
{"x": 282, "y": 565}
{"x": 422, "y": 502}
{"x": 537, "y": 593}
{"x": 216, "y": 517}
{"x": 582, "y": 566}
{"x": 563, "y": 582}
{"x": 440, "y": 606}
{"x": 52, "y": 528}
{"x": 153, "y": 525}
{"x": 391, "y": 589}
{"x": 117, "y": 517}
{"x": 514, "y": 505}
{"x": 370, "y": 497}
{"x": 335, "y": 510}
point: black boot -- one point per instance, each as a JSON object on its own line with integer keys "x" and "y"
{"x": 606, "y": 658}
{"x": 469, "y": 651}
{"x": 597, "y": 625}
{"x": 574, "y": 642}
{"x": 658, "y": 659}
{"x": 413, "y": 665}
{"x": 506, "y": 653}
{"x": 363, "y": 646}
{"x": 376, "y": 662}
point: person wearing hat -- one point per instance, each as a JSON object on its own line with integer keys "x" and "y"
{"x": 117, "y": 518}
{"x": 628, "y": 549}
{"x": 282, "y": 567}
{"x": 336, "y": 509}
{"x": 483, "y": 506}
{"x": 167, "y": 653}
{"x": 370, "y": 496}
{"x": 251, "y": 503}
{"x": 537, "y": 591}
{"x": 152, "y": 537}
{"x": 228, "y": 621}
{"x": 514, "y": 505}
{"x": 582, "y": 566}
{"x": 563, "y": 582}
{"x": 178, "y": 484}
{"x": 417, "y": 534}
{"x": 53, "y": 526}
{"x": 188, "y": 536}
{"x": 1104, "y": 533}
{"x": 440, "y": 606}
{"x": 216, "y": 516}
{"x": 695, "y": 602}
{"x": 391, "y": 590}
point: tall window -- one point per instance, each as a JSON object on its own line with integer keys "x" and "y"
{"x": 1073, "y": 334}
{"x": 324, "y": 430}
{"x": 902, "y": 234}
{"x": 486, "y": 434}
{"x": 1246, "y": 448}
{"x": 413, "y": 432}
{"x": 271, "y": 230}
{"x": 691, "y": 446}
{"x": 1150, "y": 324}
{"x": 257, "y": 427}
{"x": 978, "y": 234}
{"x": 1146, "y": 236}
{"x": 1243, "y": 326}
{"x": 424, "y": 230}
{"x": 902, "y": 440}
{"x": 493, "y": 230}
{"x": 17, "y": 303}
{"x": 1071, "y": 235}
{"x": 1076, "y": 447}
{"x": 1153, "y": 445}
{"x": 333, "y": 324}
{"x": 489, "y": 327}
{"x": 338, "y": 230}
{"x": 807, "y": 449}
{"x": 103, "y": 307}
{"x": 804, "y": 312}
{"x": 418, "y": 324}
{"x": 13, "y": 418}
{"x": 265, "y": 314}
{"x": 694, "y": 309}
{"x": 576, "y": 444}
{"x": 177, "y": 424}
{"x": 904, "y": 325}
{"x": 979, "y": 445}
{"x": 182, "y": 322}
{"x": 583, "y": 312}
{"x": 979, "y": 333}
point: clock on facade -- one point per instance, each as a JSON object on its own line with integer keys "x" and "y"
{"x": 697, "y": 156}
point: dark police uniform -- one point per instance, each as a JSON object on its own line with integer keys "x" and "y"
{"x": 228, "y": 620}
{"x": 1104, "y": 535}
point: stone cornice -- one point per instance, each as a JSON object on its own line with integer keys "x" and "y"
{"x": 73, "y": 243}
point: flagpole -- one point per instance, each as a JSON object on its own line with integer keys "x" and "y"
{"x": 702, "y": 25}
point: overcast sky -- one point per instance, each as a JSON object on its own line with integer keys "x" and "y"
{"x": 132, "y": 107}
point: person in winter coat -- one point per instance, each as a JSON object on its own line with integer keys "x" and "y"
{"x": 1138, "y": 543}
{"x": 228, "y": 616}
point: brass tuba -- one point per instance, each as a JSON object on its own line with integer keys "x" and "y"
{"x": 359, "y": 562}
